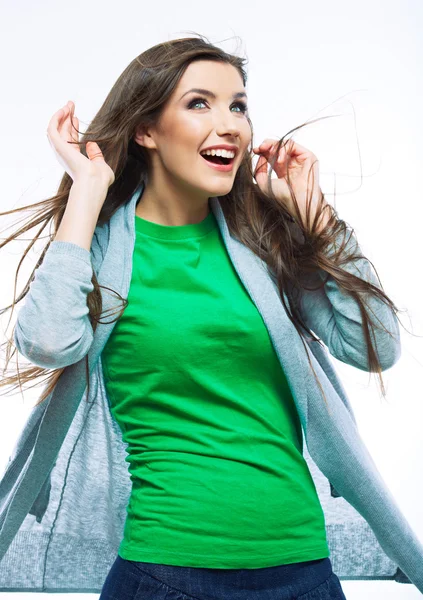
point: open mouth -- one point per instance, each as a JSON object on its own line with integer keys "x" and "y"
{"x": 220, "y": 160}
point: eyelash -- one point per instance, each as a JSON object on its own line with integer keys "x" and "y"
{"x": 242, "y": 105}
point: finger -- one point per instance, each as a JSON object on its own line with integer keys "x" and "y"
{"x": 53, "y": 129}
{"x": 283, "y": 152}
{"x": 260, "y": 171}
{"x": 75, "y": 133}
{"x": 68, "y": 126}
{"x": 265, "y": 144}
{"x": 62, "y": 122}
{"x": 73, "y": 124}
{"x": 268, "y": 149}
{"x": 295, "y": 149}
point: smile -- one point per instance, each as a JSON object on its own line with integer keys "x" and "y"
{"x": 219, "y": 163}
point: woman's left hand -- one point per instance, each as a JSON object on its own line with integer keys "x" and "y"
{"x": 303, "y": 176}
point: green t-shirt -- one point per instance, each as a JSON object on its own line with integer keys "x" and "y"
{"x": 214, "y": 438}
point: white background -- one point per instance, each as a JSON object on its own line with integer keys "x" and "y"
{"x": 361, "y": 61}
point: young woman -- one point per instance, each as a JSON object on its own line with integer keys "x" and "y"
{"x": 222, "y": 503}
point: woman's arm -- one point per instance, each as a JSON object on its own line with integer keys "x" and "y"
{"x": 334, "y": 316}
{"x": 53, "y": 329}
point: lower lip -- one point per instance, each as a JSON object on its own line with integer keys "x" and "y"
{"x": 218, "y": 167}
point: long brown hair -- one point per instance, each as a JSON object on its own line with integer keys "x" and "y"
{"x": 256, "y": 218}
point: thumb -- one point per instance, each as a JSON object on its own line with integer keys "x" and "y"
{"x": 260, "y": 173}
{"x": 93, "y": 152}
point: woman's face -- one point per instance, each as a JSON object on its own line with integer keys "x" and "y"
{"x": 190, "y": 124}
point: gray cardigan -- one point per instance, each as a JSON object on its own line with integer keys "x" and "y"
{"x": 64, "y": 492}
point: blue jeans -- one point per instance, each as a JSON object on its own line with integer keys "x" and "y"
{"x": 308, "y": 580}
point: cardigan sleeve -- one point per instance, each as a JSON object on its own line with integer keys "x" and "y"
{"x": 53, "y": 329}
{"x": 335, "y": 317}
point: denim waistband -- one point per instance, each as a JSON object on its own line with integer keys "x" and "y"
{"x": 298, "y": 578}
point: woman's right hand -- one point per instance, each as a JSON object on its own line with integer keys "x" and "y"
{"x": 59, "y": 132}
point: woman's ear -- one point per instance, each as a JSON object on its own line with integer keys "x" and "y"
{"x": 143, "y": 137}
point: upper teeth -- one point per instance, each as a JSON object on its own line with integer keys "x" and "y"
{"x": 219, "y": 152}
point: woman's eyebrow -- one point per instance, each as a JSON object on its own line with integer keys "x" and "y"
{"x": 211, "y": 94}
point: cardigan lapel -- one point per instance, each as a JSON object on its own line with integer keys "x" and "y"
{"x": 255, "y": 276}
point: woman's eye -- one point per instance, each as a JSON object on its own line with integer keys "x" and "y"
{"x": 195, "y": 101}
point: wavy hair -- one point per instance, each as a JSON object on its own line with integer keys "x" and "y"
{"x": 293, "y": 248}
